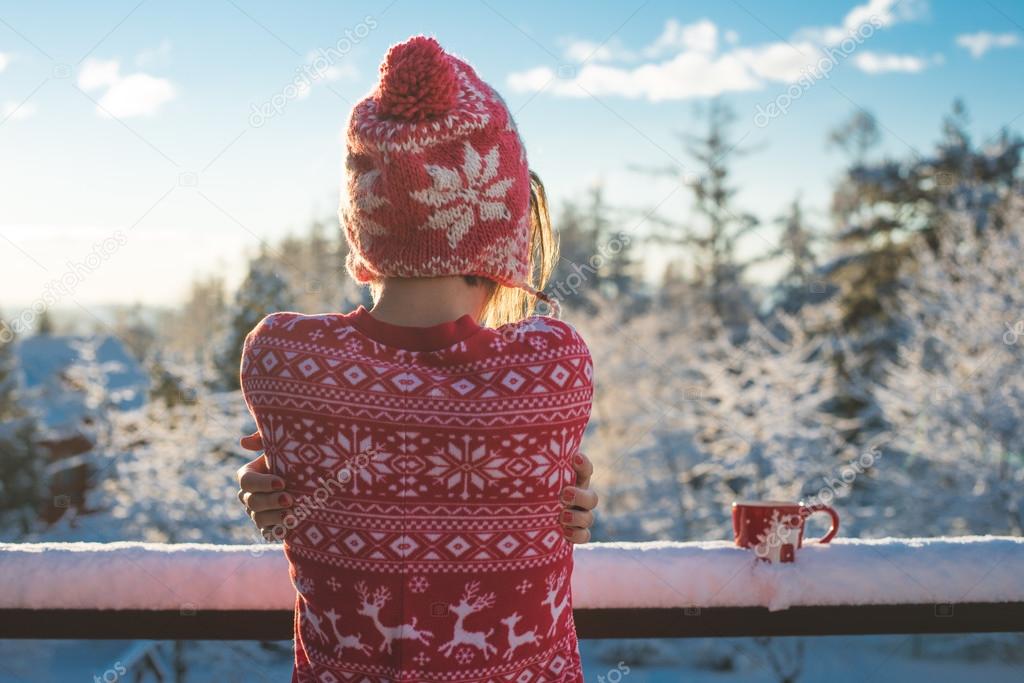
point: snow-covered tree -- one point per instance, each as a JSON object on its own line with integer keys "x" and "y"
{"x": 954, "y": 397}
{"x": 711, "y": 247}
{"x": 263, "y": 291}
{"x": 165, "y": 474}
{"x": 22, "y": 465}
{"x": 684, "y": 424}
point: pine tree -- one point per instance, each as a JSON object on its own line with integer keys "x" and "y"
{"x": 888, "y": 214}
{"x": 856, "y": 136}
{"x": 614, "y": 249}
{"x": 7, "y": 378}
{"x": 134, "y": 331}
{"x": 799, "y": 282}
{"x": 796, "y": 246}
{"x": 44, "y": 326}
{"x": 322, "y": 285}
{"x": 887, "y": 211}
{"x": 22, "y": 466}
{"x": 717, "y": 269}
{"x": 204, "y": 311}
{"x": 575, "y": 277}
{"x": 263, "y": 291}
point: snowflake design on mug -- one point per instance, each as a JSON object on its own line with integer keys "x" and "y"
{"x": 462, "y": 194}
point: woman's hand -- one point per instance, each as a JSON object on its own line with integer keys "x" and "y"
{"x": 262, "y": 493}
{"x": 267, "y": 502}
{"x": 579, "y": 502}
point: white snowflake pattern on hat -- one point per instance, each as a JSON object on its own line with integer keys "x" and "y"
{"x": 365, "y": 200}
{"x": 461, "y": 196}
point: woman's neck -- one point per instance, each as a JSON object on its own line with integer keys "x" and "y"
{"x": 427, "y": 301}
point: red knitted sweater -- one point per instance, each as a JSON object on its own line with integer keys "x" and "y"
{"x": 426, "y": 464}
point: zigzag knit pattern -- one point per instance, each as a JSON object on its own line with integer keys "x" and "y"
{"x": 426, "y": 464}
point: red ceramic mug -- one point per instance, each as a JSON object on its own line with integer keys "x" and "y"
{"x": 775, "y": 529}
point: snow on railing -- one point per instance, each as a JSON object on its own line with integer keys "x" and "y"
{"x": 619, "y": 589}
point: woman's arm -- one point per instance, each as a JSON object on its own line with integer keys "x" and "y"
{"x": 267, "y": 502}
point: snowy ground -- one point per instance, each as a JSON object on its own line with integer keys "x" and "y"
{"x": 833, "y": 660}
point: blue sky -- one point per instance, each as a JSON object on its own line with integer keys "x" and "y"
{"x": 134, "y": 121}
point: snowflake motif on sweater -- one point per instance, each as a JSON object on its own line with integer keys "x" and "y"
{"x": 426, "y": 466}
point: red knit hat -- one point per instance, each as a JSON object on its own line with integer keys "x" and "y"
{"x": 438, "y": 182}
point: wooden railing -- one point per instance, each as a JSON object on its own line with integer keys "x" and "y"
{"x": 635, "y": 590}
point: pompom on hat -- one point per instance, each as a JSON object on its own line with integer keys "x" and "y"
{"x": 437, "y": 178}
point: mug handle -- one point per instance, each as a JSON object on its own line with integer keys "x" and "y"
{"x": 834, "y": 529}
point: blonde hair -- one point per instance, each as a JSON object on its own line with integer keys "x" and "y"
{"x": 507, "y": 304}
{"x": 511, "y": 304}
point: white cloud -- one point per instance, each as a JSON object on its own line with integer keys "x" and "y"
{"x": 700, "y": 36}
{"x": 879, "y": 63}
{"x": 688, "y": 60}
{"x": 689, "y": 74}
{"x": 97, "y": 73}
{"x": 784, "y": 62}
{"x": 689, "y": 67}
{"x": 12, "y": 111}
{"x": 341, "y": 71}
{"x": 157, "y": 56}
{"x": 137, "y": 94}
{"x": 530, "y": 80}
{"x": 588, "y": 51}
{"x": 320, "y": 68}
{"x": 885, "y": 12}
{"x": 981, "y": 42}
{"x": 875, "y": 14}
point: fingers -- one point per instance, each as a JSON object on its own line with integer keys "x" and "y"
{"x": 253, "y": 442}
{"x": 577, "y": 518}
{"x": 575, "y": 497}
{"x": 584, "y": 469}
{"x": 254, "y": 477}
{"x": 582, "y": 519}
{"x": 274, "y": 534}
{"x": 267, "y": 521}
{"x": 263, "y": 502}
{"x": 577, "y": 535}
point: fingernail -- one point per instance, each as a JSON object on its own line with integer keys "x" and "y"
{"x": 278, "y": 484}
{"x": 567, "y": 534}
{"x": 567, "y": 516}
{"x": 283, "y": 500}
{"x": 568, "y": 495}
{"x": 578, "y": 459}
